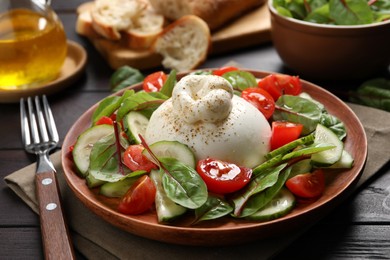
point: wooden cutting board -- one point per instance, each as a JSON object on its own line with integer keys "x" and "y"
{"x": 248, "y": 30}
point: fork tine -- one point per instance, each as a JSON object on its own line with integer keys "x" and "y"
{"x": 41, "y": 120}
{"x": 26, "y": 138}
{"x": 50, "y": 120}
{"x": 33, "y": 122}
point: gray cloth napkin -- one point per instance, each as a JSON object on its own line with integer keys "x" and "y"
{"x": 97, "y": 239}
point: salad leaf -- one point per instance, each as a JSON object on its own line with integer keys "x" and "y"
{"x": 261, "y": 199}
{"x": 264, "y": 180}
{"x": 350, "y": 12}
{"x": 334, "y": 124}
{"x": 169, "y": 84}
{"x": 105, "y": 164}
{"x": 319, "y": 15}
{"x": 214, "y": 208}
{"x": 109, "y": 105}
{"x": 183, "y": 184}
{"x": 337, "y": 12}
{"x": 240, "y": 80}
{"x": 260, "y": 191}
{"x": 124, "y": 77}
{"x": 296, "y": 109}
{"x": 373, "y": 93}
{"x": 140, "y": 101}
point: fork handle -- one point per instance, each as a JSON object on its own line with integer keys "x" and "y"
{"x": 55, "y": 234}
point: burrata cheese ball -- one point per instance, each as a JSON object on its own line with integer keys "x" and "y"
{"x": 204, "y": 114}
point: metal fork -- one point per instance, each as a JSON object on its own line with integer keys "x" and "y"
{"x": 40, "y": 136}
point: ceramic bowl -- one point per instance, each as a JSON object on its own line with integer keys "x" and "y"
{"x": 331, "y": 52}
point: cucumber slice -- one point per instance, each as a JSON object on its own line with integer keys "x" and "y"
{"x": 345, "y": 162}
{"x": 116, "y": 189}
{"x": 328, "y": 157}
{"x": 135, "y": 124}
{"x": 172, "y": 149}
{"x": 92, "y": 182}
{"x": 84, "y": 144}
{"x": 280, "y": 205}
{"x": 166, "y": 209}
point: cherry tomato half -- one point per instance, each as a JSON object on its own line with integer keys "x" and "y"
{"x": 135, "y": 160}
{"x": 223, "y": 177}
{"x": 261, "y": 99}
{"x": 105, "y": 120}
{"x": 139, "y": 198}
{"x": 277, "y": 85}
{"x": 284, "y": 132}
{"x": 223, "y": 70}
{"x": 307, "y": 185}
{"x": 154, "y": 82}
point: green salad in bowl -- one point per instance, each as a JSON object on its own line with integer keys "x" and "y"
{"x": 336, "y": 12}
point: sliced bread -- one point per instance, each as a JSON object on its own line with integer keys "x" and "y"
{"x": 184, "y": 44}
{"x": 145, "y": 30}
{"x": 110, "y": 17}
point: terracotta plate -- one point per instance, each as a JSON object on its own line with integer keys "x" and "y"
{"x": 72, "y": 69}
{"x": 227, "y": 230}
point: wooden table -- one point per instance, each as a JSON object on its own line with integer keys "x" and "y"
{"x": 359, "y": 228}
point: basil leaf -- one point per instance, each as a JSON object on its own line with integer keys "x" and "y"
{"x": 140, "y": 101}
{"x": 213, "y": 208}
{"x": 300, "y": 110}
{"x": 124, "y": 77}
{"x": 169, "y": 84}
{"x": 263, "y": 181}
{"x": 183, "y": 184}
{"x": 109, "y": 105}
{"x": 240, "y": 80}
{"x": 259, "y": 200}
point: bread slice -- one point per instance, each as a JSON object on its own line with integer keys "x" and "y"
{"x": 145, "y": 30}
{"x": 110, "y": 17}
{"x": 84, "y": 25}
{"x": 184, "y": 44}
{"x": 215, "y": 13}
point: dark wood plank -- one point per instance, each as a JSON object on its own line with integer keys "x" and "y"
{"x": 339, "y": 241}
{"x": 20, "y": 243}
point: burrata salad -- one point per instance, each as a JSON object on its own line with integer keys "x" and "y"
{"x": 212, "y": 144}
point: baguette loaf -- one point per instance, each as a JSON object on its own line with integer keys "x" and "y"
{"x": 184, "y": 44}
{"x": 110, "y": 17}
{"x": 214, "y": 12}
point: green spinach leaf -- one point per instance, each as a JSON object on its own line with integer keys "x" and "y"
{"x": 105, "y": 163}
{"x": 140, "y": 101}
{"x": 124, "y": 77}
{"x": 169, "y": 84}
{"x": 261, "y": 199}
{"x": 109, "y": 105}
{"x": 373, "y": 93}
{"x": 183, "y": 184}
{"x": 264, "y": 180}
{"x": 214, "y": 208}
{"x": 240, "y": 80}
{"x": 300, "y": 110}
